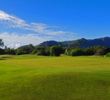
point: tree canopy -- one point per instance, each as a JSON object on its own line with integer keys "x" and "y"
{"x": 1, "y": 43}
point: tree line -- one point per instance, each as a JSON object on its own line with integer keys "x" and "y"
{"x": 74, "y": 50}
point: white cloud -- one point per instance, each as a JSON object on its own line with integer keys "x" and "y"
{"x": 40, "y": 28}
{"x": 15, "y": 40}
{"x": 12, "y": 21}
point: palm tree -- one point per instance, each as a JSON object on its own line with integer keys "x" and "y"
{"x": 78, "y": 42}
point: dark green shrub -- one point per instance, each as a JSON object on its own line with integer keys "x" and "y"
{"x": 108, "y": 54}
{"x": 2, "y": 51}
{"x": 47, "y": 51}
{"x": 34, "y": 51}
{"x": 21, "y": 51}
{"x": 77, "y": 52}
{"x": 10, "y": 51}
{"x": 41, "y": 52}
{"x": 88, "y": 51}
{"x": 68, "y": 52}
{"x": 100, "y": 52}
{"x": 56, "y": 50}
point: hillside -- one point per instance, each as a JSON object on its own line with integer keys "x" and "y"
{"x": 105, "y": 41}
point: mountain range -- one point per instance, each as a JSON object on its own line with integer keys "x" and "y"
{"x": 105, "y": 41}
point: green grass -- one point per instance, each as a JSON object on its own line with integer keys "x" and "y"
{"x": 30, "y": 77}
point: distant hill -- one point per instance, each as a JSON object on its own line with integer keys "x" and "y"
{"x": 23, "y": 46}
{"x": 48, "y": 43}
{"x": 105, "y": 41}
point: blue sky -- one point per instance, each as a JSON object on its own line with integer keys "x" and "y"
{"x": 34, "y": 21}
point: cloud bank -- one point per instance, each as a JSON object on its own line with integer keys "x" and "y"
{"x": 39, "y": 30}
{"x": 15, "y": 40}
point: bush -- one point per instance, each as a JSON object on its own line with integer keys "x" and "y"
{"x": 108, "y": 54}
{"x": 34, "y": 51}
{"x": 2, "y": 51}
{"x": 100, "y": 52}
{"x": 21, "y": 51}
{"x": 68, "y": 52}
{"x": 41, "y": 52}
{"x": 47, "y": 51}
{"x": 77, "y": 52}
{"x": 56, "y": 50}
{"x": 10, "y": 51}
{"x": 88, "y": 51}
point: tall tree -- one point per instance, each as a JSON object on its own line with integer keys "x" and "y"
{"x": 1, "y": 43}
{"x": 60, "y": 44}
{"x": 78, "y": 42}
